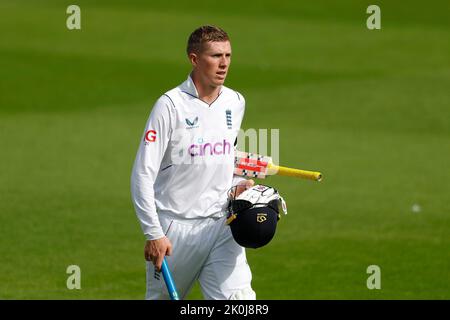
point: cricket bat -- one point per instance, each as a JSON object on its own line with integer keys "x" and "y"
{"x": 168, "y": 279}
{"x": 257, "y": 166}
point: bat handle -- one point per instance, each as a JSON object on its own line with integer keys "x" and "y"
{"x": 305, "y": 174}
{"x": 171, "y": 288}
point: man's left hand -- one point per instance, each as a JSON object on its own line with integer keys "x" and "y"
{"x": 244, "y": 185}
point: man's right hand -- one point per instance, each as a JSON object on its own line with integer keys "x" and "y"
{"x": 156, "y": 250}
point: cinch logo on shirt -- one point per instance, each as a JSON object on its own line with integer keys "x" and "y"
{"x": 150, "y": 136}
{"x": 206, "y": 149}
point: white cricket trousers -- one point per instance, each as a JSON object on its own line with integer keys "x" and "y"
{"x": 204, "y": 250}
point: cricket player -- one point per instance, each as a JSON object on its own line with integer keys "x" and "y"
{"x": 182, "y": 173}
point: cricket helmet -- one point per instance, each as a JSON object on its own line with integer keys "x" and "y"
{"x": 254, "y": 214}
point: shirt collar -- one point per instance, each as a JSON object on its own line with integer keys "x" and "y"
{"x": 189, "y": 87}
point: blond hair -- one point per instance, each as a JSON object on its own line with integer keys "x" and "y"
{"x": 205, "y": 34}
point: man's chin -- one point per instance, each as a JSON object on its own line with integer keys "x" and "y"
{"x": 219, "y": 82}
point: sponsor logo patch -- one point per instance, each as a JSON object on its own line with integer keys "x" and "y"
{"x": 261, "y": 217}
{"x": 191, "y": 124}
{"x": 209, "y": 149}
{"x": 150, "y": 136}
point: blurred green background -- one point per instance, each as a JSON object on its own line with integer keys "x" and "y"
{"x": 370, "y": 109}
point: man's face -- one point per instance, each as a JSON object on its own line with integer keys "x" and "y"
{"x": 212, "y": 63}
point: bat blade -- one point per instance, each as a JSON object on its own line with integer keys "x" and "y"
{"x": 257, "y": 166}
{"x": 251, "y": 165}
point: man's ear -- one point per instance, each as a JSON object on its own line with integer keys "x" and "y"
{"x": 193, "y": 59}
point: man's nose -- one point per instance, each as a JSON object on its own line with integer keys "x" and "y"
{"x": 223, "y": 62}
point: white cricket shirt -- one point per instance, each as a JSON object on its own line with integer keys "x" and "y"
{"x": 184, "y": 165}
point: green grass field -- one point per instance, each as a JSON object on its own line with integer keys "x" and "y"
{"x": 370, "y": 109}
